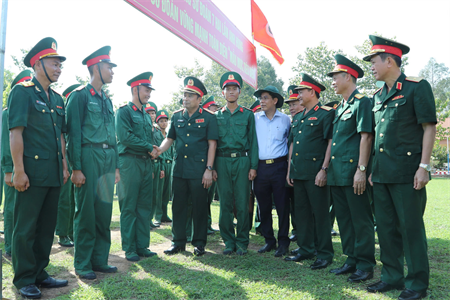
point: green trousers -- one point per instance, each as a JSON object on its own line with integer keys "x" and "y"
{"x": 93, "y": 209}
{"x": 66, "y": 210}
{"x": 354, "y": 217}
{"x": 34, "y": 225}
{"x": 211, "y": 192}
{"x": 8, "y": 215}
{"x": 135, "y": 198}
{"x": 399, "y": 209}
{"x": 156, "y": 199}
{"x": 234, "y": 190}
{"x": 312, "y": 217}
{"x": 165, "y": 191}
{"x": 183, "y": 189}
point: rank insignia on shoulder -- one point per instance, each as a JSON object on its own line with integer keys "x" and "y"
{"x": 178, "y": 110}
{"x": 207, "y": 110}
{"x": 378, "y": 90}
{"x": 59, "y": 107}
{"x": 359, "y": 96}
{"x": 92, "y": 91}
{"x": 27, "y": 84}
{"x": 398, "y": 97}
{"x": 312, "y": 118}
{"x": 414, "y": 79}
{"x": 40, "y": 103}
{"x": 134, "y": 108}
{"x": 79, "y": 88}
{"x": 200, "y": 121}
{"x": 327, "y": 108}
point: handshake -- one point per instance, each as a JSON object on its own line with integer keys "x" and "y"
{"x": 156, "y": 152}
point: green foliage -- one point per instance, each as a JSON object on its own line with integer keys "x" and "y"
{"x": 439, "y": 156}
{"x": 8, "y": 77}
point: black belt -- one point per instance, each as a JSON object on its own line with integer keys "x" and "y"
{"x": 135, "y": 156}
{"x": 272, "y": 161}
{"x": 102, "y": 146}
{"x": 231, "y": 154}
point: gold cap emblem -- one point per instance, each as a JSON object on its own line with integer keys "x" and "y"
{"x": 191, "y": 82}
{"x": 370, "y": 42}
{"x": 54, "y": 46}
{"x": 150, "y": 78}
{"x": 163, "y": 114}
{"x": 231, "y": 77}
{"x": 290, "y": 92}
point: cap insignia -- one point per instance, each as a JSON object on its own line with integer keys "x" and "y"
{"x": 230, "y": 77}
{"x": 54, "y": 46}
{"x": 191, "y": 82}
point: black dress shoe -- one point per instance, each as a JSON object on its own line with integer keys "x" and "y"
{"x": 199, "y": 251}
{"x": 343, "y": 270}
{"x": 381, "y": 286}
{"x": 320, "y": 264}
{"x": 88, "y": 276}
{"x": 360, "y": 276}
{"x": 333, "y": 232}
{"x": 282, "y": 250}
{"x": 297, "y": 258}
{"x": 174, "y": 250}
{"x": 51, "y": 282}
{"x": 295, "y": 251}
{"x": 293, "y": 238}
{"x": 267, "y": 248}
{"x": 105, "y": 269}
{"x": 30, "y": 291}
{"x": 409, "y": 294}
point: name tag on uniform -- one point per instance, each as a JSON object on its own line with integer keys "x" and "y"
{"x": 180, "y": 121}
{"x": 398, "y": 97}
{"x": 93, "y": 103}
{"x": 312, "y": 118}
{"x": 200, "y": 121}
{"x": 40, "y": 103}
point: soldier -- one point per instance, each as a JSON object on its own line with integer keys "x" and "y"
{"x": 236, "y": 164}
{"x": 66, "y": 203}
{"x": 210, "y": 104}
{"x": 309, "y": 155}
{"x": 165, "y": 194}
{"x": 405, "y": 129}
{"x": 195, "y": 132}
{"x": 350, "y": 153}
{"x": 95, "y": 166}
{"x": 135, "y": 143}
{"x": 7, "y": 169}
{"x": 37, "y": 123}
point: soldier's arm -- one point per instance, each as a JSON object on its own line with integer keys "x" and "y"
{"x": 125, "y": 134}
{"x": 422, "y": 177}
{"x": 75, "y": 116}
{"x": 6, "y": 159}
{"x": 254, "y": 153}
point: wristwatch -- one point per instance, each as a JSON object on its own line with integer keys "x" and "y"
{"x": 209, "y": 168}
{"x": 325, "y": 169}
{"x": 426, "y": 167}
{"x": 362, "y": 168}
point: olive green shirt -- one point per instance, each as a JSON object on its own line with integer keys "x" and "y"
{"x": 90, "y": 120}
{"x": 44, "y": 120}
{"x": 310, "y": 134}
{"x": 7, "y": 163}
{"x": 398, "y": 116}
{"x": 134, "y": 130}
{"x": 351, "y": 118}
{"x": 237, "y": 133}
{"x": 191, "y": 135}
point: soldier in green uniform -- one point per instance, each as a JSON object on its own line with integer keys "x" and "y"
{"x": 195, "y": 132}
{"x": 135, "y": 143}
{"x": 309, "y": 156}
{"x": 350, "y": 153}
{"x": 37, "y": 123}
{"x": 158, "y": 173}
{"x": 7, "y": 169}
{"x": 165, "y": 193}
{"x": 66, "y": 204}
{"x": 405, "y": 129}
{"x": 236, "y": 164}
{"x": 95, "y": 166}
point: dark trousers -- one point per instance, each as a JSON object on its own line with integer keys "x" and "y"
{"x": 271, "y": 184}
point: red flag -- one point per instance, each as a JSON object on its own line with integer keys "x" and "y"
{"x": 262, "y": 33}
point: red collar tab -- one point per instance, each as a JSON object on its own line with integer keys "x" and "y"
{"x": 200, "y": 110}
{"x": 316, "y": 107}
{"x": 134, "y": 107}
{"x": 313, "y": 86}
{"x": 256, "y": 108}
{"x": 386, "y": 49}
{"x": 241, "y": 109}
{"x": 92, "y": 91}
{"x": 399, "y": 86}
{"x": 42, "y": 54}
{"x": 97, "y": 59}
{"x": 139, "y": 82}
{"x": 347, "y": 69}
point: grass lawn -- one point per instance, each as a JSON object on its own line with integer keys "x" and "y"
{"x": 254, "y": 276}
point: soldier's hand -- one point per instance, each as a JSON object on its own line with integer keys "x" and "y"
{"x": 359, "y": 182}
{"x": 156, "y": 151}
{"x": 252, "y": 175}
{"x": 21, "y": 181}
{"x": 214, "y": 175}
{"x": 207, "y": 179}
{"x": 421, "y": 178}
{"x": 66, "y": 175}
{"x": 161, "y": 175}
{"x": 8, "y": 179}
{"x": 370, "y": 179}
{"x": 78, "y": 178}
{"x": 289, "y": 180}
{"x": 321, "y": 178}
{"x": 117, "y": 179}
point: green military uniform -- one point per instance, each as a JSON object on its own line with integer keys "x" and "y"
{"x": 7, "y": 167}
{"x": 165, "y": 191}
{"x": 310, "y": 133}
{"x": 35, "y": 209}
{"x": 399, "y": 208}
{"x": 191, "y": 135}
{"x": 93, "y": 150}
{"x": 353, "y": 211}
{"x": 237, "y": 153}
{"x": 66, "y": 204}
{"x": 135, "y": 142}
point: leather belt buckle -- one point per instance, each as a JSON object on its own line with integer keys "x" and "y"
{"x": 233, "y": 154}
{"x": 269, "y": 161}
{"x": 105, "y": 146}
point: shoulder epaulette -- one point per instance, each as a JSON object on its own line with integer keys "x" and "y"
{"x": 359, "y": 96}
{"x": 378, "y": 90}
{"x": 79, "y": 88}
{"x": 414, "y": 79}
{"x": 247, "y": 108}
{"x": 205, "y": 109}
{"x": 178, "y": 110}
{"x": 123, "y": 105}
{"x": 26, "y": 83}
{"x": 327, "y": 108}
{"x": 56, "y": 92}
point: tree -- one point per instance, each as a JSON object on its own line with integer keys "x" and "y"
{"x": 437, "y": 74}
{"x": 8, "y": 77}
